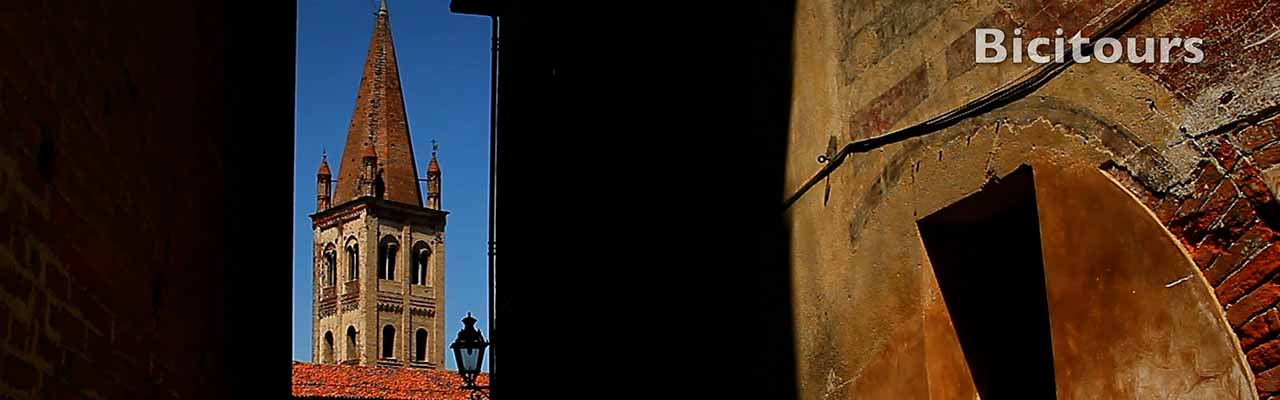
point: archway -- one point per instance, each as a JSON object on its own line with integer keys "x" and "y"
{"x": 1074, "y": 291}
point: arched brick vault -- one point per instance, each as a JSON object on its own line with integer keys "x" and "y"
{"x": 1196, "y": 144}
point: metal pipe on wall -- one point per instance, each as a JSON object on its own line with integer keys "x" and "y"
{"x": 493, "y": 176}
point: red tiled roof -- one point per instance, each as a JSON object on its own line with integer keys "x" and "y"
{"x": 335, "y": 381}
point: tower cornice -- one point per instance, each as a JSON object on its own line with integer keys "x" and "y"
{"x": 381, "y": 207}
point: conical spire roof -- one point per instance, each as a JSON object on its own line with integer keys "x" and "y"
{"x": 324, "y": 165}
{"x": 380, "y": 116}
{"x": 433, "y": 166}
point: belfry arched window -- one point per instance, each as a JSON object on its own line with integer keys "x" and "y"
{"x": 388, "y": 248}
{"x": 420, "y": 345}
{"x": 353, "y": 260}
{"x": 388, "y": 341}
{"x": 330, "y": 261}
{"x": 420, "y": 264}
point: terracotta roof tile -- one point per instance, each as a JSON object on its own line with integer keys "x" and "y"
{"x": 335, "y": 381}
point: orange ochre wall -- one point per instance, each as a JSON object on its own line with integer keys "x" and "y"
{"x": 1171, "y": 155}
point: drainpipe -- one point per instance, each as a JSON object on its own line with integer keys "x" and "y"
{"x": 493, "y": 176}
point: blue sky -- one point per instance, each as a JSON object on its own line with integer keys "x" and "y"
{"x": 444, "y": 69}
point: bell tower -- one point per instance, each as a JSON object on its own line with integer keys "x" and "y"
{"x": 378, "y": 250}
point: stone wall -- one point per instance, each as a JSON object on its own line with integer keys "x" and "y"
{"x": 372, "y": 303}
{"x": 1192, "y": 143}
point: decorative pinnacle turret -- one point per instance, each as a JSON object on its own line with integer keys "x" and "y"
{"x": 324, "y": 164}
{"x": 433, "y": 167}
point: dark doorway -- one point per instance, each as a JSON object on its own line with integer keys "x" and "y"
{"x": 985, "y": 251}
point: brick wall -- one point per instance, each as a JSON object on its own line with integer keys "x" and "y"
{"x": 1228, "y": 221}
{"x": 111, "y": 195}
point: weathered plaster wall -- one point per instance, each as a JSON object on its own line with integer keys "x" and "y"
{"x": 1130, "y": 315}
{"x": 869, "y": 318}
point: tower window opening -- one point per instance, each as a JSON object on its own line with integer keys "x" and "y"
{"x": 418, "y": 264}
{"x": 387, "y": 259}
{"x": 330, "y": 267}
{"x": 351, "y": 343}
{"x": 413, "y": 268}
{"x": 327, "y": 356}
{"x": 388, "y": 341}
{"x": 353, "y": 262}
{"x": 420, "y": 344}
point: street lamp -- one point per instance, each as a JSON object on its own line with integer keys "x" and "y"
{"x": 468, "y": 350}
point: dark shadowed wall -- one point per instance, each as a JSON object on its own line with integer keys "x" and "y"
{"x": 122, "y": 175}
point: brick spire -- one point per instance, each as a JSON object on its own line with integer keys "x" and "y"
{"x": 380, "y": 117}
